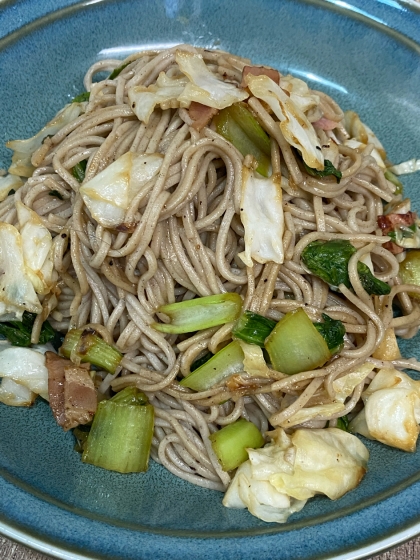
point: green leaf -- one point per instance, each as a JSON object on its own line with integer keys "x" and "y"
{"x": 81, "y": 97}
{"x": 328, "y": 170}
{"x": 115, "y": 73}
{"x": 56, "y": 194}
{"x": 329, "y": 260}
{"x": 18, "y": 333}
{"x": 253, "y": 328}
{"x": 79, "y": 170}
{"x": 370, "y": 283}
{"x": 333, "y": 333}
{"x": 201, "y": 361}
{"x": 343, "y": 423}
{"x": 12, "y": 191}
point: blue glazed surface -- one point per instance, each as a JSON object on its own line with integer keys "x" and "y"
{"x": 367, "y": 58}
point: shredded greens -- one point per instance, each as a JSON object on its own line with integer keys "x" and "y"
{"x": 81, "y": 97}
{"x": 328, "y": 170}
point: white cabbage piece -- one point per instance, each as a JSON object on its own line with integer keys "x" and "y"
{"x": 278, "y": 479}
{"x": 21, "y": 159}
{"x": 254, "y": 363}
{"x": 17, "y": 293}
{"x": 355, "y": 144}
{"x": 294, "y": 124}
{"x": 392, "y": 410}
{"x": 263, "y": 219}
{"x": 313, "y": 412}
{"x": 299, "y": 92}
{"x": 344, "y": 386}
{"x": 204, "y": 87}
{"x": 361, "y": 132}
{"x": 8, "y": 183}
{"x": 109, "y": 194}
{"x": 37, "y": 248}
{"x": 164, "y": 93}
{"x": 406, "y": 167}
{"x": 25, "y": 367}
{"x": 14, "y": 394}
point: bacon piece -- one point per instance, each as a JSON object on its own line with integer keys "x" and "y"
{"x": 260, "y": 71}
{"x": 325, "y": 124}
{"x": 71, "y": 391}
{"x": 201, "y": 114}
{"x": 393, "y": 247}
{"x": 80, "y": 399}
{"x": 391, "y": 221}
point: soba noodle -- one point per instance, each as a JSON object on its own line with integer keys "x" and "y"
{"x": 181, "y": 238}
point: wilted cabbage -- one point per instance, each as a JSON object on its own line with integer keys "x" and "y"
{"x": 299, "y": 92}
{"x": 203, "y": 86}
{"x": 17, "y": 293}
{"x": 406, "y": 167}
{"x": 164, "y": 93}
{"x": 262, "y": 217}
{"x": 392, "y": 410}
{"x": 109, "y": 194}
{"x": 278, "y": 479}
{"x": 25, "y": 367}
{"x": 36, "y": 248}
{"x": 14, "y": 394}
{"x": 21, "y": 159}
{"x": 7, "y": 184}
{"x": 294, "y": 124}
{"x": 361, "y": 132}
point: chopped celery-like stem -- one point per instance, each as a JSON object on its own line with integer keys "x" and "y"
{"x": 253, "y": 328}
{"x": 87, "y": 346}
{"x": 200, "y": 313}
{"x": 252, "y": 128}
{"x": 410, "y": 270}
{"x": 231, "y": 443}
{"x": 121, "y": 435}
{"x": 224, "y": 363}
{"x": 235, "y": 129}
{"x": 295, "y": 345}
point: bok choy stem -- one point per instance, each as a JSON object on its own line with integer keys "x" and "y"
{"x": 86, "y": 346}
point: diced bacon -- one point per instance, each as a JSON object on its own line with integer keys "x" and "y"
{"x": 71, "y": 391}
{"x": 260, "y": 71}
{"x": 201, "y": 115}
{"x": 325, "y": 124}
{"x": 393, "y": 248}
{"x": 80, "y": 399}
{"x": 391, "y": 221}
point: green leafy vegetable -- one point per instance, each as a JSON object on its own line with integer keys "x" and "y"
{"x": 328, "y": 170}
{"x": 201, "y": 361}
{"x": 239, "y": 126}
{"x": 231, "y": 443}
{"x": 329, "y": 261}
{"x": 81, "y": 434}
{"x": 333, "y": 333}
{"x": 12, "y": 191}
{"x": 81, "y": 97}
{"x": 56, "y": 194}
{"x": 224, "y": 363}
{"x": 18, "y": 333}
{"x": 115, "y": 73}
{"x": 343, "y": 423}
{"x": 200, "y": 313}
{"x": 295, "y": 345}
{"x": 89, "y": 347}
{"x": 79, "y": 170}
{"x": 121, "y": 435}
{"x": 253, "y": 328}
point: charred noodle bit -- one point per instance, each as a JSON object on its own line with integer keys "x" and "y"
{"x": 191, "y": 180}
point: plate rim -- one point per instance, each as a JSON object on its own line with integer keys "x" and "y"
{"x": 11, "y": 530}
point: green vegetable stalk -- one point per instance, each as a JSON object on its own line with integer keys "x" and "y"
{"x": 89, "y": 347}
{"x": 394, "y": 179}
{"x": 231, "y": 443}
{"x": 329, "y": 261}
{"x": 239, "y": 126}
{"x": 121, "y": 435}
{"x": 200, "y": 313}
{"x": 224, "y": 363}
{"x": 295, "y": 345}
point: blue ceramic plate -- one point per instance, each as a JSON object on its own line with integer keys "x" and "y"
{"x": 365, "y": 54}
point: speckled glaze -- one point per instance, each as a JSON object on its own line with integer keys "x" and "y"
{"x": 367, "y": 56}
